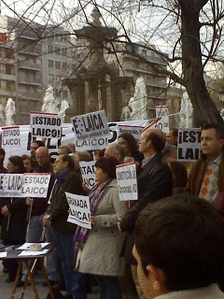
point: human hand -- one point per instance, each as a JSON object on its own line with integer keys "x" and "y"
{"x": 93, "y": 220}
{"x": 5, "y": 211}
{"x": 29, "y": 201}
{"x": 46, "y": 220}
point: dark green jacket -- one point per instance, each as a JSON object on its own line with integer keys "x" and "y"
{"x": 59, "y": 206}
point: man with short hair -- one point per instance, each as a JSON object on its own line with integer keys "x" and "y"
{"x": 154, "y": 178}
{"x": 206, "y": 178}
{"x": 115, "y": 150}
{"x": 34, "y": 146}
{"x": 64, "y": 150}
{"x": 154, "y": 181}
{"x": 179, "y": 245}
{"x": 172, "y": 136}
{"x": 67, "y": 181}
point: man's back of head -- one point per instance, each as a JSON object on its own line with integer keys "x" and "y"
{"x": 115, "y": 150}
{"x": 152, "y": 142}
{"x": 183, "y": 238}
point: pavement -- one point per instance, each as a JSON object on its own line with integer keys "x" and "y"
{"x": 6, "y": 288}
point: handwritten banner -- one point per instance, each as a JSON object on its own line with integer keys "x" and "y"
{"x": 80, "y": 210}
{"x": 126, "y": 181}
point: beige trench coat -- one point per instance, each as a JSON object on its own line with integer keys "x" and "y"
{"x": 101, "y": 252}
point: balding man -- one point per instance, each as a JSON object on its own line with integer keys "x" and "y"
{"x": 154, "y": 179}
{"x": 115, "y": 150}
{"x": 154, "y": 182}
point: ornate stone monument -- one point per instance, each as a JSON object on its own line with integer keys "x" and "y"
{"x": 97, "y": 84}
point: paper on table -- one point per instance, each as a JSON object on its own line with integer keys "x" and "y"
{"x": 30, "y": 253}
{"x": 3, "y": 254}
{"x": 26, "y": 246}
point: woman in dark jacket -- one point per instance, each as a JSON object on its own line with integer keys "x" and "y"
{"x": 14, "y": 211}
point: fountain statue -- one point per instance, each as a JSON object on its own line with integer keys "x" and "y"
{"x": 10, "y": 110}
{"x": 138, "y": 104}
{"x": 49, "y": 102}
{"x": 64, "y": 106}
{"x": 186, "y": 112}
{"x": 2, "y": 119}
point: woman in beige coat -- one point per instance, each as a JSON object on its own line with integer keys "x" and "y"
{"x": 103, "y": 243}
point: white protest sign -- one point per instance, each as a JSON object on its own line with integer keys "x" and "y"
{"x": 91, "y": 130}
{"x": 45, "y": 125}
{"x": 163, "y": 112}
{"x": 152, "y": 125}
{"x": 188, "y": 146}
{"x": 135, "y": 131}
{"x": 24, "y": 185}
{"x": 11, "y": 139}
{"x": 88, "y": 173}
{"x": 126, "y": 181}
{"x": 80, "y": 209}
{"x": 11, "y": 185}
{"x": 36, "y": 184}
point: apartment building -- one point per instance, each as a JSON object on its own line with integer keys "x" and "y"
{"x": 32, "y": 57}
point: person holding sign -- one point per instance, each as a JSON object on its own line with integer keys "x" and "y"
{"x": 103, "y": 243}
{"x": 56, "y": 217}
{"x": 130, "y": 145}
{"x": 154, "y": 182}
{"x": 14, "y": 212}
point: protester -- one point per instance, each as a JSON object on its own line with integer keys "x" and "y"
{"x": 179, "y": 172}
{"x": 14, "y": 212}
{"x": 28, "y": 163}
{"x": 115, "y": 150}
{"x": 154, "y": 181}
{"x": 179, "y": 245}
{"x": 103, "y": 243}
{"x": 206, "y": 178}
{"x": 130, "y": 145}
{"x": 37, "y": 208}
{"x": 64, "y": 150}
{"x": 56, "y": 217}
{"x": 170, "y": 152}
{"x": 172, "y": 136}
{"x": 34, "y": 146}
{"x": 2, "y": 157}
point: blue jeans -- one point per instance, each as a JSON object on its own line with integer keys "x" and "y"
{"x": 109, "y": 287}
{"x": 74, "y": 281}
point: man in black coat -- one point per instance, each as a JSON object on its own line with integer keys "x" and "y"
{"x": 154, "y": 179}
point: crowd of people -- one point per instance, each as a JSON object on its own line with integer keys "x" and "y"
{"x": 167, "y": 244}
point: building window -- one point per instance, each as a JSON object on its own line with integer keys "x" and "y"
{"x": 51, "y": 78}
{"x": 8, "y": 69}
{"x": 57, "y": 50}
{"x": 50, "y": 63}
{"x": 50, "y": 49}
{"x": 9, "y": 86}
{"x": 64, "y": 65}
{"x": 64, "y": 52}
{"x": 9, "y": 53}
{"x": 57, "y": 64}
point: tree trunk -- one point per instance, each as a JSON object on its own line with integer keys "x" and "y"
{"x": 204, "y": 106}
